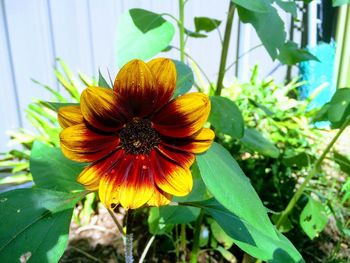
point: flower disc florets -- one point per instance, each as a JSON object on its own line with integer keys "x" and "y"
{"x": 138, "y": 137}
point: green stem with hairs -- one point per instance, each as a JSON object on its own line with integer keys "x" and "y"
{"x": 225, "y": 45}
{"x": 312, "y": 173}
{"x": 182, "y": 29}
{"x": 128, "y": 239}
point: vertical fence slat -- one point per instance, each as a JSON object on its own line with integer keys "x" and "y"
{"x": 72, "y": 39}
{"x": 103, "y": 25}
{"x": 9, "y": 105}
{"x": 31, "y": 52}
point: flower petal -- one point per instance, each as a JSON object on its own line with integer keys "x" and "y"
{"x": 101, "y": 109}
{"x": 183, "y": 116}
{"x": 81, "y": 144}
{"x": 159, "y": 198}
{"x": 136, "y": 87}
{"x": 199, "y": 143}
{"x": 90, "y": 177}
{"x": 164, "y": 72}
{"x": 182, "y": 158}
{"x": 130, "y": 182}
{"x": 69, "y": 116}
{"x": 169, "y": 176}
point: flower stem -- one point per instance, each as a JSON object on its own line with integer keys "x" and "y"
{"x": 182, "y": 29}
{"x": 225, "y": 45}
{"x": 312, "y": 173}
{"x": 120, "y": 228}
{"x": 128, "y": 240}
{"x": 197, "y": 233}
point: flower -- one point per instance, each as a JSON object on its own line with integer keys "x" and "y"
{"x": 140, "y": 142}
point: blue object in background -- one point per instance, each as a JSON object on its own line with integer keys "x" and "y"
{"x": 317, "y": 73}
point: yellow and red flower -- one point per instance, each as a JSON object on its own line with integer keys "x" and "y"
{"x": 140, "y": 142}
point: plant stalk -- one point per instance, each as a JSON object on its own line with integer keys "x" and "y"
{"x": 197, "y": 233}
{"x": 312, "y": 173}
{"x": 182, "y": 29}
{"x": 120, "y": 228}
{"x": 128, "y": 240}
{"x": 225, "y": 45}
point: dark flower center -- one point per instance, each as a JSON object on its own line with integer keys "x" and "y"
{"x": 138, "y": 137}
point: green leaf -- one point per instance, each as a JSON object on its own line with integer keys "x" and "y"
{"x": 184, "y": 78}
{"x": 299, "y": 160}
{"x": 261, "y": 6}
{"x": 253, "y": 239}
{"x": 194, "y": 34}
{"x": 255, "y": 141}
{"x": 288, "y": 6}
{"x": 206, "y": 24}
{"x": 343, "y": 162}
{"x": 313, "y": 218}
{"x": 178, "y": 214}
{"x": 226, "y": 117}
{"x": 260, "y": 106}
{"x": 142, "y": 34}
{"x": 233, "y": 189}
{"x": 57, "y": 95}
{"x": 220, "y": 235}
{"x": 102, "y": 81}
{"x": 264, "y": 24}
{"x": 156, "y": 224}
{"x": 55, "y": 106}
{"x": 340, "y": 2}
{"x": 226, "y": 254}
{"x": 35, "y": 224}
{"x": 290, "y": 54}
{"x": 51, "y": 170}
{"x": 339, "y": 106}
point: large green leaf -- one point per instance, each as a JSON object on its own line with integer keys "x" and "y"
{"x": 226, "y": 117}
{"x": 288, "y": 6}
{"x": 229, "y": 185}
{"x": 255, "y": 141}
{"x": 313, "y": 218}
{"x": 261, "y": 6}
{"x": 178, "y": 214}
{"x": 34, "y": 224}
{"x": 220, "y": 235}
{"x": 340, "y": 2}
{"x": 253, "y": 239}
{"x": 290, "y": 54}
{"x": 184, "y": 78}
{"x": 51, "y": 170}
{"x": 142, "y": 34}
{"x": 264, "y": 24}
